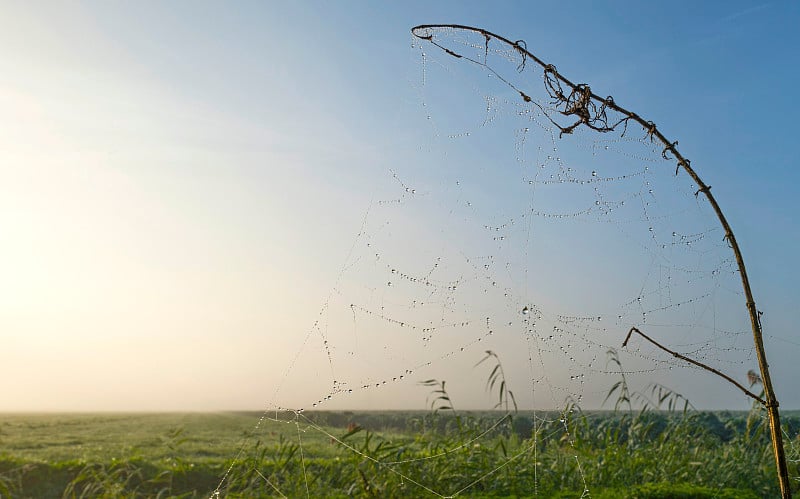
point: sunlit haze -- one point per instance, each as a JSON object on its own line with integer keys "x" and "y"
{"x": 182, "y": 183}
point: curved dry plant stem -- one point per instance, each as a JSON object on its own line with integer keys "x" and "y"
{"x": 589, "y": 109}
{"x": 695, "y": 362}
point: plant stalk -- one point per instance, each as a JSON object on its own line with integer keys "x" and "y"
{"x": 771, "y": 401}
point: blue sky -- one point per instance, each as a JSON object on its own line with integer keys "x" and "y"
{"x": 181, "y": 182}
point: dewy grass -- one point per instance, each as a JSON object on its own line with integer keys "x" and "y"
{"x": 637, "y": 451}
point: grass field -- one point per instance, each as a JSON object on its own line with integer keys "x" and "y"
{"x": 390, "y": 454}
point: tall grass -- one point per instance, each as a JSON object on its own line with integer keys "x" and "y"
{"x": 654, "y": 444}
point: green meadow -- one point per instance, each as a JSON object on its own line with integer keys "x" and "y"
{"x": 633, "y": 454}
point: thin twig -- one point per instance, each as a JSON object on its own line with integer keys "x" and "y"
{"x": 695, "y": 362}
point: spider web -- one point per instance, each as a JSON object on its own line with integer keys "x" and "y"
{"x": 518, "y": 232}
